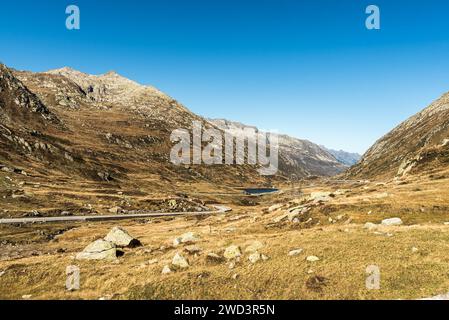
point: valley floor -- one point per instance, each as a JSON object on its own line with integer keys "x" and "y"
{"x": 412, "y": 258}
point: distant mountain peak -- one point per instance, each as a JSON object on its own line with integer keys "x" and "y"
{"x": 297, "y": 158}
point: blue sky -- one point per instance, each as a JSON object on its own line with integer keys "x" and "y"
{"x": 306, "y": 68}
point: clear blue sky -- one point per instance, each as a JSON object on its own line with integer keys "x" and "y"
{"x": 306, "y": 68}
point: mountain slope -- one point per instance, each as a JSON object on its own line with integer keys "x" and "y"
{"x": 344, "y": 157}
{"x": 297, "y": 158}
{"x": 418, "y": 144}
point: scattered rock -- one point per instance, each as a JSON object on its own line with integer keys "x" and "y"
{"x": 254, "y": 257}
{"x": 265, "y": 258}
{"x": 235, "y": 276}
{"x": 186, "y": 238}
{"x": 370, "y": 226}
{"x": 98, "y": 250}
{"x": 254, "y": 246}
{"x": 115, "y": 210}
{"x": 292, "y": 216}
{"x": 121, "y": 238}
{"x": 385, "y": 234}
{"x": 2, "y": 273}
{"x": 179, "y": 261}
{"x": 320, "y": 196}
{"x": 275, "y": 207}
{"x": 415, "y": 250}
{"x": 192, "y": 249}
{"x": 26, "y": 296}
{"x": 281, "y": 218}
{"x": 232, "y": 252}
{"x": 166, "y": 270}
{"x": 295, "y": 252}
{"x": 392, "y": 222}
{"x": 312, "y": 258}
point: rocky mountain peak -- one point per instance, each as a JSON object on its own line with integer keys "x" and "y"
{"x": 109, "y": 87}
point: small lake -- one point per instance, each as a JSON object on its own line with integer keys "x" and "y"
{"x": 259, "y": 191}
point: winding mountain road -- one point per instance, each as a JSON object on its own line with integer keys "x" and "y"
{"x": 219, "y": 209}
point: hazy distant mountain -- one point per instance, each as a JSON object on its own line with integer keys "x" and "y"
{"x": 347, "y": 158}
{"x": 297, "y": 158}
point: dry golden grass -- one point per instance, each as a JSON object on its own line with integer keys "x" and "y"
{"x": 345, "y": 250}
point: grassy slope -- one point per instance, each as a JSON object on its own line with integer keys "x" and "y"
{"x": 345, "y": 250}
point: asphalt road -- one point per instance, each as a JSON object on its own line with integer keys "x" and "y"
{"x": 219, "y": 209}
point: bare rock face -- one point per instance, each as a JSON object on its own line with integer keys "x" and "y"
{"x": 98, "y": 250}
{"x": 121, "y": 238}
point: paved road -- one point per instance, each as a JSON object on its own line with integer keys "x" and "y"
{"x": 219, "y": 209}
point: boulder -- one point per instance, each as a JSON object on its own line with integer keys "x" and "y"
{"x": 98, "y": 250}
{"x": 121, "y": 238}
{"x": 179, "y": 261}
{"x": 232, "y": 252}
{"x": 312, "y": 258}
{"x": 192, "y": 249}
{"x": 166, "y": 270}
{"x": 392, "y": 222}
{"x": 186, "y": 238}
{"x": 254, "y": 257}
{"x": 294, "y": 252}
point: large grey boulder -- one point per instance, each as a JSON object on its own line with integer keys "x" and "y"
{"x": 98, "y": 250}
{"x": 121, "y": 238}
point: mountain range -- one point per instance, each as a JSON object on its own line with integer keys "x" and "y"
{"x": 107, "y": 127}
